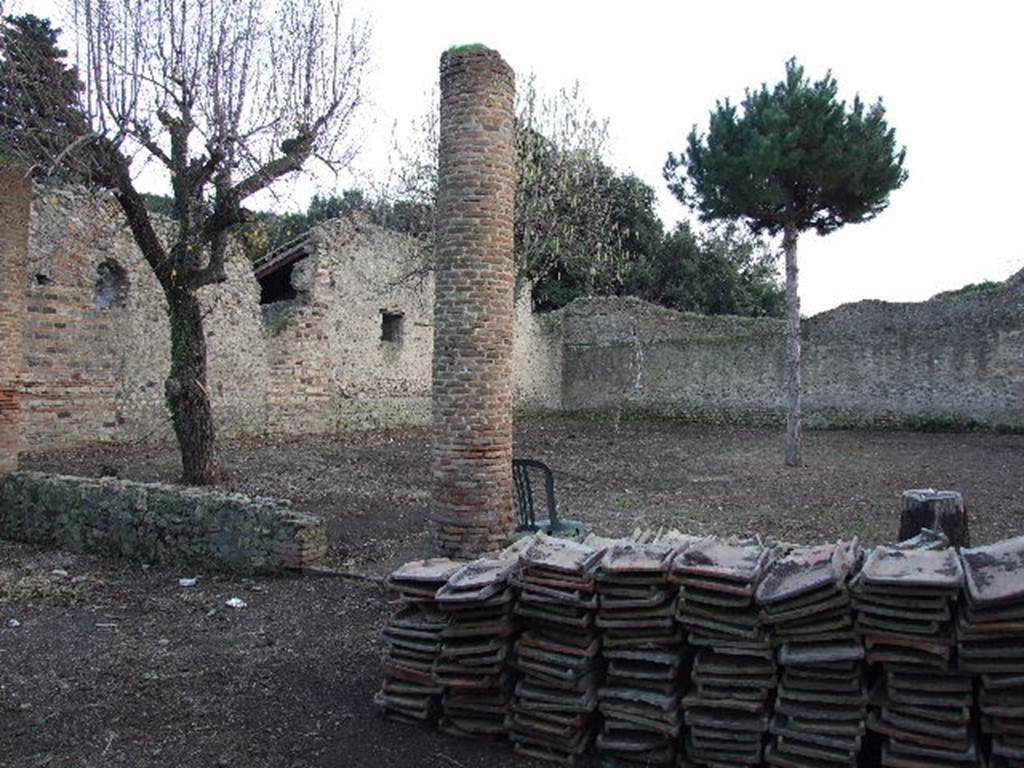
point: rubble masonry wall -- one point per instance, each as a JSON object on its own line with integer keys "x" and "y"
{"x": 320, "y": 365}
{"x": 159, "y": 523}
{"x": 952, "y": 361}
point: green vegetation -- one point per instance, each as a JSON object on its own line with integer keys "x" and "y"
{"x": 584, "y": 229}
{"x": 455, "y": 50}
{"x": 987, "y": 286}
{"x": 276, "y": 324}
{"x": 723, "y": 272}
{"x": 792, "y": 158}
{"x": 39, "y": 112}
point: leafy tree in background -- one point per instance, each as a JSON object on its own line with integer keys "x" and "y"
{"x": 571, "y": 208}
{"x": 582, "y": 229}
{"x": 269, "y": 231}
{"x": 792, "y": 159}
{"x": 724, "y": 272}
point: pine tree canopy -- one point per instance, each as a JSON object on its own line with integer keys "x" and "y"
{"x": 39, "y": 114}
{"x": 790, "y": 155}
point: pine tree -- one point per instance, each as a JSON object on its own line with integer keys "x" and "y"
{"x": 793, "y": 158}
{"x": 39, "y": 113}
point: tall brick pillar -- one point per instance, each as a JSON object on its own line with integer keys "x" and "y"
{"x": 473, "y": 305}
{"x": 15, "y": 205}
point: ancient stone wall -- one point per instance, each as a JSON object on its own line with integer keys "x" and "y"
{"x": 97, "y": 345}
{"x": 333, "y": 363}
{"x": 159, "y": 523}
{"x": 955, "y": 361}
{"x": 536, "y": 359}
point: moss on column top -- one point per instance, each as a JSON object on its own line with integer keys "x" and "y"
{"x": 457, "y": 50}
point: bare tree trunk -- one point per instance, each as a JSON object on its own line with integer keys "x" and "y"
{"x": 187, "y": 396}
{"x": 792, "y": 349}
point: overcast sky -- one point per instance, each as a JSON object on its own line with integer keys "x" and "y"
{"x": 949, "y": 74}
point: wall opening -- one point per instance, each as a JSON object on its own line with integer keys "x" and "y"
{"x": 277, "y": 285}
{"x": 391, "y": 326}
{"x": 111, "y": 288}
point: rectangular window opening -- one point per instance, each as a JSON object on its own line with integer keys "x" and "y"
{"x": 391, "y": 326}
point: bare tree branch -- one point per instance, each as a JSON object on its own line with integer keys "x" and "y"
{"x": 228, "y": 96}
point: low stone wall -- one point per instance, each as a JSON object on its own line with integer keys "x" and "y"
{"x": 159, "y": 523}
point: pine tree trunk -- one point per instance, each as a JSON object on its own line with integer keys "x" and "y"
{"x": 792, "y": 349}
{"x": 187, "y": 395}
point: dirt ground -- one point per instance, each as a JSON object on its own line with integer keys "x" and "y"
{"x": 111, "y": 663}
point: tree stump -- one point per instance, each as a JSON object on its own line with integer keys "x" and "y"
{"x": 940, "y": 510}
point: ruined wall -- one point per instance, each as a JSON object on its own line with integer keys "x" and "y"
{"x": 951, "y": 361}
{"x": 97, "y": 345}
{"x": 331, "y": 367}
{"x": 536, "y": 359}
{"x": 159, "y": 523}
{"x": 97, "y": 342}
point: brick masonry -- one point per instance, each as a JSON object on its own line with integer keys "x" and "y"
{"x": 474, "y": 305}
{"x": 329, "y": 367}
{"x": 97, "y": 343}
{"x": 94, "y": 370}
{"x": 15, "y": 203}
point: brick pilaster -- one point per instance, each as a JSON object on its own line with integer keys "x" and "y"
{"x": 15, "y": 207}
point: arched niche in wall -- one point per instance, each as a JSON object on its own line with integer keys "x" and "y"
{"x": 111, "y": 286}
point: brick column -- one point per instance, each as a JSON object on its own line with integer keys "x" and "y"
{"x": 15, "y": 205}
{"x": 473, "y": 305}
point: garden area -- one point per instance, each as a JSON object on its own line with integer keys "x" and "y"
{"x": 116, "y": 663}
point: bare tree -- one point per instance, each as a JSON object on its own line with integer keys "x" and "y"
{"x": 227, "y": 97}
{"x": 563, "y": 208}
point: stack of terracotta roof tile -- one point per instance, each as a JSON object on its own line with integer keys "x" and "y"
{"x": 728, "y": 706}
{"x": 821, "y": 703}
{"x": 905, "y": 600}
{"x": 644, "y": 652}
{"x": 413, "y": 636}
{"x": 558, "y": 651}
{"x": 475, "y": 648}
{"x": 991, "y": 643}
